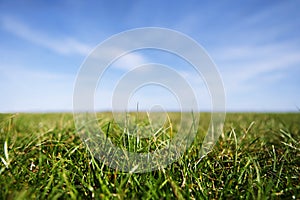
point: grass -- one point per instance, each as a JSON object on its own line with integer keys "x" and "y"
{"x": 256, "y": 157}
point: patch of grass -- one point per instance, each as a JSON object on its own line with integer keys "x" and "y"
{"x": 257, "y": 157}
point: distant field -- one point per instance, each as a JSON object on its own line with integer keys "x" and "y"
{"x": 257, "y": 157}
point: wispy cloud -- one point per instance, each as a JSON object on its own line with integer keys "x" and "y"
{"x": 252, "y": 72}
{"x": 31, "y": 90}
{"x": 247, "y": 62}
{"x": 64, "y": 45}
{"x": 130, "y": 61}
{"x": 152, "y": 84}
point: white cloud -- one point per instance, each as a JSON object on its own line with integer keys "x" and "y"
{"x": 65, "y": 45}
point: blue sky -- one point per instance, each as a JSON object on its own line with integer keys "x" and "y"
{"x": 255, "y": 45}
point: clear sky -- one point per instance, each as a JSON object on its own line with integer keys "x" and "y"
{"x": 255, "y": 45}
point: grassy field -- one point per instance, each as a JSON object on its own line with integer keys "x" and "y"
{"x": 257, "y": 157}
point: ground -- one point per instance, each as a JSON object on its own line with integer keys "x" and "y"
{"x": 256, "y": 157}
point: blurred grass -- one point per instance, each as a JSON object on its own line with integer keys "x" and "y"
{"x": 257, "y": 157}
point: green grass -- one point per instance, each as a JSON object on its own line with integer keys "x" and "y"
{"x": 256, "y": 157}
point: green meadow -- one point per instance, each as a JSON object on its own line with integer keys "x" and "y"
{"x": 256, "y": 157}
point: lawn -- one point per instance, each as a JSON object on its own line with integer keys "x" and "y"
{"x": 256, "y": 157}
